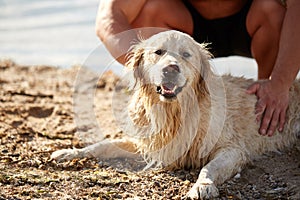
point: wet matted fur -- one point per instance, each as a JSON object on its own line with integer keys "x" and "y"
{"x": 182, "y": 115}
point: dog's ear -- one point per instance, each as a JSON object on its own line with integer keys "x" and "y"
{"x": 134, "y": 64}
{"x": 205, "y": 73}
{"x": 135, "y": 59}
{"x": 205, "y": 56}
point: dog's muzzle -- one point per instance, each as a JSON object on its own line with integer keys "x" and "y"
{"x": 170, "y": 71}
{"x": 169, "y": 87}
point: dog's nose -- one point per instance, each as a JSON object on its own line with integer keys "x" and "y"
{"x": 170, "y": 71}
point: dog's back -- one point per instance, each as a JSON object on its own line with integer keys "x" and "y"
{"x": 241, "y": 119}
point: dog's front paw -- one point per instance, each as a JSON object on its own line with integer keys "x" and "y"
{"x": 203, "y": 191}
{"x": 64, "y": 154}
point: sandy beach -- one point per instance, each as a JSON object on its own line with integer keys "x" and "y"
{"x": 37, "y": 117}
{"x": 47, "y": 104}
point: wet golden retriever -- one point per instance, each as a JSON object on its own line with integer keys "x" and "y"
{"x": 182, "y": 115}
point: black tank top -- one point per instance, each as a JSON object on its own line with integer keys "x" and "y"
{"x": 227, "y": 36}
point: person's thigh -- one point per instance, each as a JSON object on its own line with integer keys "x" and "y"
{"x": 171, "y": 14}
{"x": 264, "y": 22}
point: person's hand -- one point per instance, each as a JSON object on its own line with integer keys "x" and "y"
{"x": 271, "y": 106}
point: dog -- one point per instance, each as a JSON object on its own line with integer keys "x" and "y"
{"x": 183, "y": 115}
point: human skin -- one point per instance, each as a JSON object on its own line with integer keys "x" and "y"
{"x": 274, "y": 46}
{"x": 273, "y": 94}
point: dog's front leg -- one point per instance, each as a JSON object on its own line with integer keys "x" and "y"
{"x": 120, "y": 148}
{"x": 223, "y": 166}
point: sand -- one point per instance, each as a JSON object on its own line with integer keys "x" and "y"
{"x": 40, "y": 112}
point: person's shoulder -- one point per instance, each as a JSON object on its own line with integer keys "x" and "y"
{"x": 127, "y": 6}
{"x": 124, "y": 3}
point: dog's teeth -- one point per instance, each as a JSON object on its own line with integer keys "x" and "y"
{"x": 168, "y": 90}
{"x": 158, "y": 89}
{"x": 174, "y": 89}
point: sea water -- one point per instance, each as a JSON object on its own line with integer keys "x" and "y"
{"x": 62, "y": 33}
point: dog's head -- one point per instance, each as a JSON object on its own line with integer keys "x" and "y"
{"x": 168, "y": 62}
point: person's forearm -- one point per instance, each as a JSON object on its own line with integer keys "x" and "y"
{"x": 114, "y": 31}
{"x": 119, "y": 44}
{"x": 288, "y": 60}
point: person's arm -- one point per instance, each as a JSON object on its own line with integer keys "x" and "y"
{"x": 114, "y": 17}
{"x": 273, "y": 95}
{"x": 288, "y": 60}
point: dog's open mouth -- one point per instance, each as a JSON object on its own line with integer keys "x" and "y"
{"x": 168, "y": 90}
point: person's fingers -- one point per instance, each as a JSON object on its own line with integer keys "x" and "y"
{"x": 270, "y": 108}
{"x": 267, "y": 117}
{"x": 253, "y": 88}
{"x": 282, "y": 118}
{"x": 274, "y": 123}
{"x": 259, "y": 110}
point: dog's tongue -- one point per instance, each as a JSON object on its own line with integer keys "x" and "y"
{"x": 168, "y": 87}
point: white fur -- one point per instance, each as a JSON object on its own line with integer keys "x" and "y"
{"x": 210, "y": 124}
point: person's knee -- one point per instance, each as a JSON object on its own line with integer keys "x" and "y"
{"x": 153, "y": 8}
{"x": 274, "y": 13}
{"x": 265, "y": 13}
{"x": 166, "y": 14}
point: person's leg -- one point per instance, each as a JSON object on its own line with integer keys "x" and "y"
{"x": 165, "y": 14}
{"x": 264, "y": 22}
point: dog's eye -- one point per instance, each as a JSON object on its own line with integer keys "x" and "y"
{"x": 186, "y": 54}
{"x": 159, "y": 52}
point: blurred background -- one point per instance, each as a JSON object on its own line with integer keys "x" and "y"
{"x": 62, "y": 33}
{"x": 59, "y": 33}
